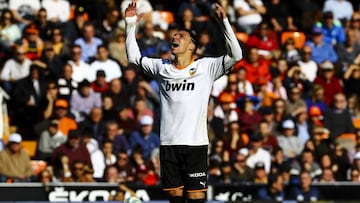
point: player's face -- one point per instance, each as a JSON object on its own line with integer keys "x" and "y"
{"x": 181, "y": 43}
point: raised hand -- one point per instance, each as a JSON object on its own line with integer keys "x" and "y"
{"x": 131, "y": 9}
{"x": 219, "y": 10}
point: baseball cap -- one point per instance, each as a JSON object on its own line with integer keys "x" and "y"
{"x": 61, "y": 103}
{"x": 146, "y": 120}
{"x": 244, "y": 151}
{"x": 357, "y": 155}
{"x": 288, "y": 124}
{"x": 315, "y": 111}
{"x": 15, "y": 138}
{"x": 327, "y": 65}
{"x": 316, "y": 31}
{"x": 259, "y": 165}
{"x": 100, "y": 73}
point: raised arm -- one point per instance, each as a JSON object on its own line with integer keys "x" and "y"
{"x": 233, "y": 47}
{"x": 132, "y": 48}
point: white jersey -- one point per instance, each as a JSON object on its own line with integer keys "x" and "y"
{"x": 184, "y": 93}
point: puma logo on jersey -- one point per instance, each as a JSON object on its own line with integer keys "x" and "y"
{"x": 180, "y": 86}
{"x": 203, "y": 183}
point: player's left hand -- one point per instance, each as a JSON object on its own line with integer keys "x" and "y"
{"x": 219, "y": 10}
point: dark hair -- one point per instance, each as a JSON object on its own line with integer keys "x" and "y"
{"x": 192, "y": 36}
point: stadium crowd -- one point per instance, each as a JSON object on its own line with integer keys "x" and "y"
{"x": 289, "y": 112}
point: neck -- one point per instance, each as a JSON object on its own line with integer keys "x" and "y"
{"x": 181, "y": 61}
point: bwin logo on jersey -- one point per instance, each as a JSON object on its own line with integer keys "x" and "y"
{"x": 180, "y": 86}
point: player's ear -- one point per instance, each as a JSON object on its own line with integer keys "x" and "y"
{"x": 192, "y": 47}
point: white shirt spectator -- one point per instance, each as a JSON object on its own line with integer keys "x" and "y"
{"x": 247, "y": 19}
{"x": 81, "y": 71}
{"x": 260, "y": 155}
{"x": 57, "y": 9}
{"x": 340, "y": 8}
{"x": 25, "y": 8}
{"x": 309, "y": 68}
{"x": 111, "y": 68}
{"x": 13, "y": 70}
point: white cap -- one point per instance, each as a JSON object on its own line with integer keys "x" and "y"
{"x": 244, "y": 151}
{"x": 16, "y": 138}
{"x": 357, "y": 155}
{"x": 146, "y": 120}
{"x": 288, "y": 124}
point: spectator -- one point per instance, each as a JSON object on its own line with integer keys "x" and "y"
{"x": 289, "y": 52}
{"x": 66, "y": 122}
{"x": 100, "y": 85}
{"x": 24, "y": 11}
{"x": 240, "y": 171}
{"x": 249, "y": 14}
{"x": 296, "y": 78}
{"x": 108, "y": 109}
{"x": 274, "y": 191}
{"x": 338, "y": 118}
{"x": 62, "y": 47}
{"x": 10, "y": 32}
{"x": 188, "y": 20}
{"x": 306, "y": 13}
{"x": 295, "y": 104}
{"x": 49, "y": 140}
{"x": 148, "y": 40}
{"x": 84, "y": 99}
{"x": 234, "y": 139}
{"x": 14, "y": 69}
{"x": 257, "y": 70}
{"x": 50, "y": 63}
{"x": 288, "y": 141}
{"x": 126, "y": 173}
{"x": 319, "y": 139}
{"x": 244, "y": 85}
{"x": 332, "y": 30}
{"x": 260, "y": 175}
{"x": 126, "y": 119}
{"x": 279, "y": 14}
{"x": 31, "y": 42}
{"x": 113, "y": 133}
{"x": 117, "y": 47}
{"x": 199, "y": 9}
{"x": 14, "y": 161}
{"x": 29, "y": 95}
{"x": 80, "y": 69}
{"x": 58, "y": 10}
{"x": 111, "y": 174}
{"x": 307, "y": 65}
{"x": 43, "y": 24}
{"x": 130, "y": 81}
{"x": 351, "y": 80}
{"x": 329, "y": 81}
{"x": 257, "y": 153}
{"x": 74, "y": 150}
{"x": 103, "y": 62}
{"x": 342, "y": 9}
{"x": 142, "y": 6}
{"x": 145, "y": 91}
{"x": 249, "y": 117}
{"x": 316, "y": 98}
{"x": 321, "y": 51}
{"x": 348, "y": 50}
{"x": 105, "y": 26}
{"x": 225, "y": 112}
{"x": 118, "y": 93}
{"x": 72, "y": 28}
{"x": 88, "y": 43}
{"x": 94, "y": 123}
{"x": 269, "y": 141}
{"x": 303, "y": 126}
{"x": 144, "y": 137}
{"x": 305, "y": 191}
{"x": 306, "y": 162}
{"x": 65, "y": 83}
{"x": 268, "y": 47}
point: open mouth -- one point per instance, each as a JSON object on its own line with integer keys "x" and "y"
{"x": 174, "y": 45}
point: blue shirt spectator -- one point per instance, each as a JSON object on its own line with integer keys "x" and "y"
{"x": 144, "y": 137}
{"x": 88, "y": 43}
{"x": 321, "y": 51}
{"x": 332, "y": 29}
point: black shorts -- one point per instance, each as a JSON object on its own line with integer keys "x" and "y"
{"x": 184, "y": 167}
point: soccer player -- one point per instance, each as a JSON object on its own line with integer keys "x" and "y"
{"x": 185, "y": 86}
